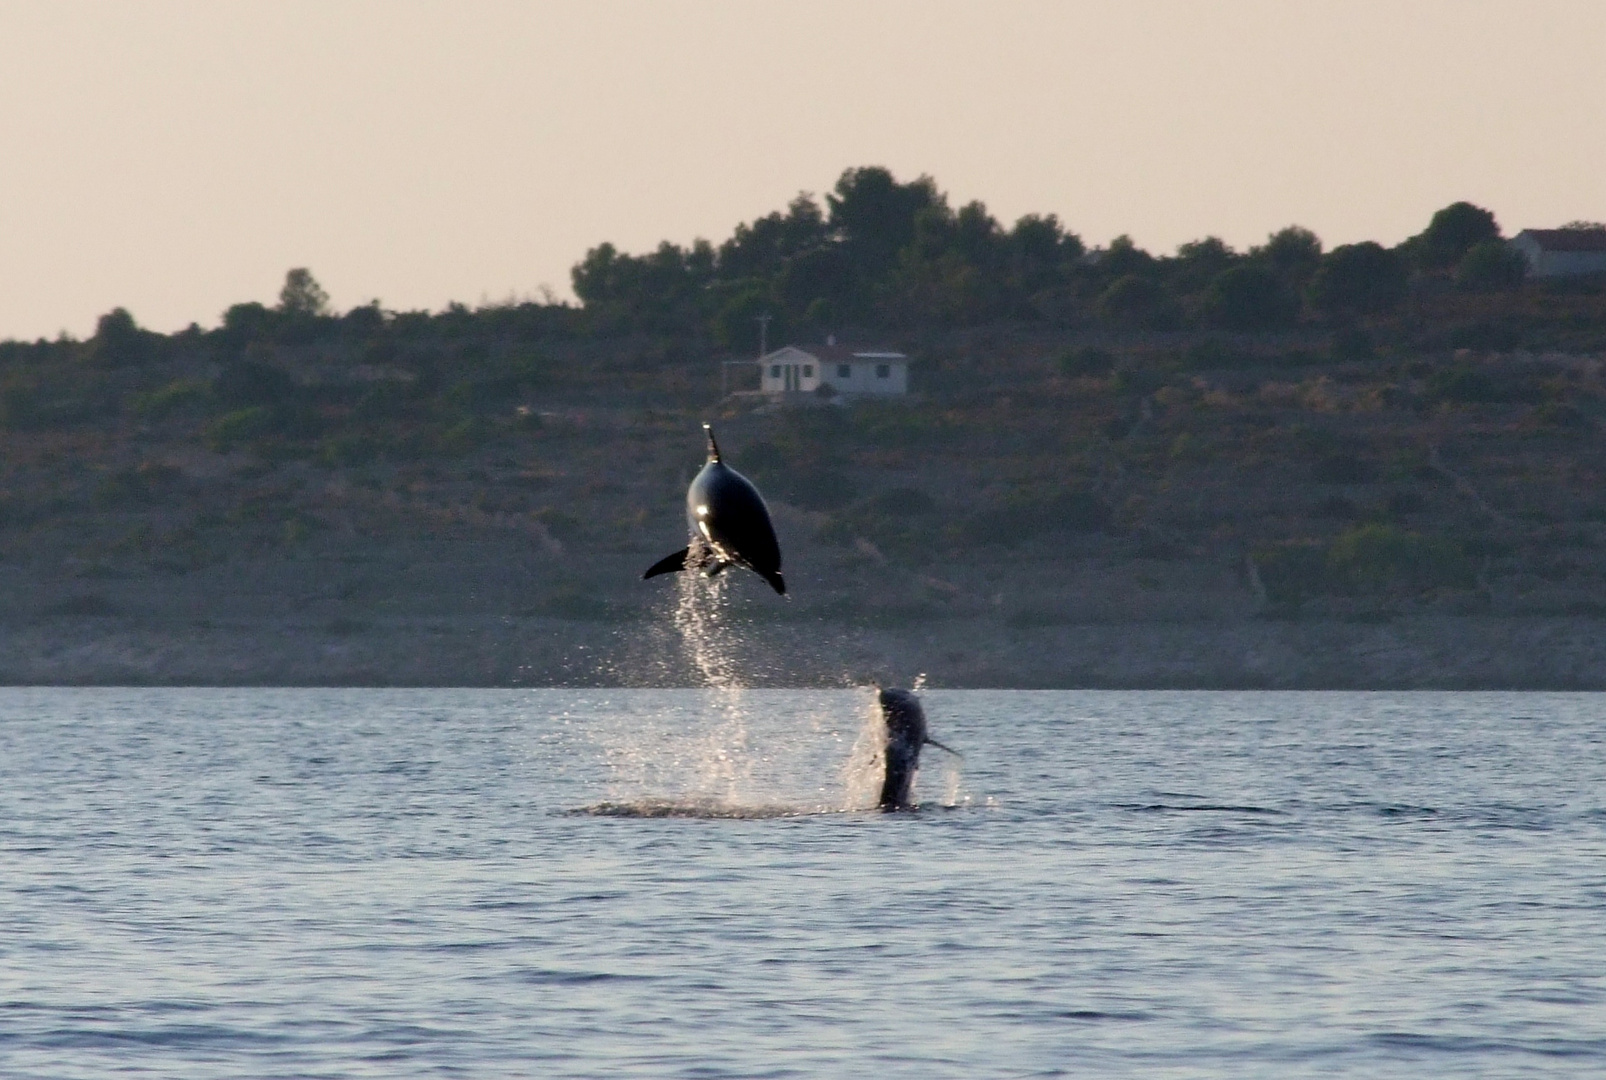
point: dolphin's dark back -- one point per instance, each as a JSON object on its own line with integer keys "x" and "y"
{"x": 906, "y": 734}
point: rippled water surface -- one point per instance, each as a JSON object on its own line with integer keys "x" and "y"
{"x": 263, "y": 883}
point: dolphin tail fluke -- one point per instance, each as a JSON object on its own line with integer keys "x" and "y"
{"x": 777, "y": 582}
{"x": 713, "y": 447}
{"x": 933, "y": 742}
{"x": 669, "y": 564}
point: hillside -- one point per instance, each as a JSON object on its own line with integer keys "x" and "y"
{"x": 1051, "y": 507}
{"x": 1367, "y": 466}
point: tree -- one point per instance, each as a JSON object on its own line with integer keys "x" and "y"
{"x": 1358, "y": 279}
{"x": 1249, "y": 297}
{"x": 735, "y": 325}
{"x": 250, "y": 321}
{"x": 119, "y": 340}
{"x": 1133, "y": 300}
{"x": 1124, "y": 257}
{"x": 874, "y": 216}
{"x": 302, "y": 295}
{"x": 1040, "y": 252}
{"x": 762, "y": 247}
{"x": 1491, "y": 266}
{"x": 1451, "y": 234}
{"x": 1199, "y": 261}
{"x": 1294, "y": 252}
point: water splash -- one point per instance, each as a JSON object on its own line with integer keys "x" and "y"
{"x": 702, "y": 618}
{"x": 866, "y": 765}
{"x": 733, "y": 756}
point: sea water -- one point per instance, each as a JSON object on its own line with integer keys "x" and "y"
{"x": 663, "y": 883}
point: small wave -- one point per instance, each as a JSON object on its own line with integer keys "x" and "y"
{"x": 696, "y": 808}
{"x": 189, "y": 1036}
{"x": 1467, "y": 1044}
{"x": 1216, "y": 808}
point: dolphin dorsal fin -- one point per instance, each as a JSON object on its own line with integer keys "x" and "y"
{"x": 713, "y": 447}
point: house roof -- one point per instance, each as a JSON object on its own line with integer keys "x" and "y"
{"x": 840, "y": 354}
{"x": 1568, "y": 239}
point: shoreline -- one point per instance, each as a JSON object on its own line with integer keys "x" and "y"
{"x": 1436, "y": 652}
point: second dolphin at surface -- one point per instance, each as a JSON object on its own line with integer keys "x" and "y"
{"x": 729, "y": 524}
{"x": 906, "y": 735}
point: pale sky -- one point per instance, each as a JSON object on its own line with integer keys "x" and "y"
{"x": 174, "y": 158}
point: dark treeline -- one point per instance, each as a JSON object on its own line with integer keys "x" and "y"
{"x": 888, "y": 255}
{"x": 882, "y": 256}
{"x": 878, "y": 257}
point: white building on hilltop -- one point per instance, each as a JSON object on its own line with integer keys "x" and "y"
{"x": 804, "y": 369}
{"x": 1562, "y": 252}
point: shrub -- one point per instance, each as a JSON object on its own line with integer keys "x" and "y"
{"x": 1352, "y": 345}
{"x": 1560, "y": 414}
{"x": 1086, "y": 360}
{"x": 1343, "y": 469}
{"x": 1249, "y": 297}
{"x": 1213, "y": 354}
{"x": 351, "y": 448}
{"x": 1375, "y": 558}
{"x": 1473, "y": 385}
{"x": 901, "y": 502}
{"x": 1462, "y": 384}
{"x": 180, "y": 395}
{"x": 1490, "y": 267}
{"x": 462, "y": 437}
{"x": 1291, "y": 572}
{"x": 815, "y": 489}
{"x": 119, "y": 340}
{"x": 252, "y": 382}
{"x": 1137, "y": 381}
{"x": 242, "y": 425}
{"x": 1358, "y": 279}
{"x": 1023, "y": 517}
{"x": 1453, "y": 231}
{"x": 1133, "y": 300}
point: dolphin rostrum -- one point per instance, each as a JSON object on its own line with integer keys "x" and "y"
{"x": 729, "y": 524}
{"x": 906, "y": 734}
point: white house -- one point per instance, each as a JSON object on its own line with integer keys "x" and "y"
{"x": 800, "y": 368}
{"x": 1562, "y": 252}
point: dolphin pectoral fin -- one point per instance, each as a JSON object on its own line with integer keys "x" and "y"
{"x": 777, "y": 582}
{"x": 933, "y": 742}
{"x": 716, "y": 568}
{"x": 669, "y": 564}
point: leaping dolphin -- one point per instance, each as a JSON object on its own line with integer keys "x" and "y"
{"x": 729, "y": 524}
{"x": 906, "y": 734}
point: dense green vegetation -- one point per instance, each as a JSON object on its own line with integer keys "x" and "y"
{"x": 895, "y": 256}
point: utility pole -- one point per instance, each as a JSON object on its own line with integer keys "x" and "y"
{"x": 763, "y": 333}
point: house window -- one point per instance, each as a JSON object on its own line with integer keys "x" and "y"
{"x": 808, "y": 371}
{"x": 844, "y": 371}
{"x": 883, "y": 371}
{"x": 775, "y": 371}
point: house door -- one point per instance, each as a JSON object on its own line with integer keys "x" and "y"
{"x": 791, "y": 376}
